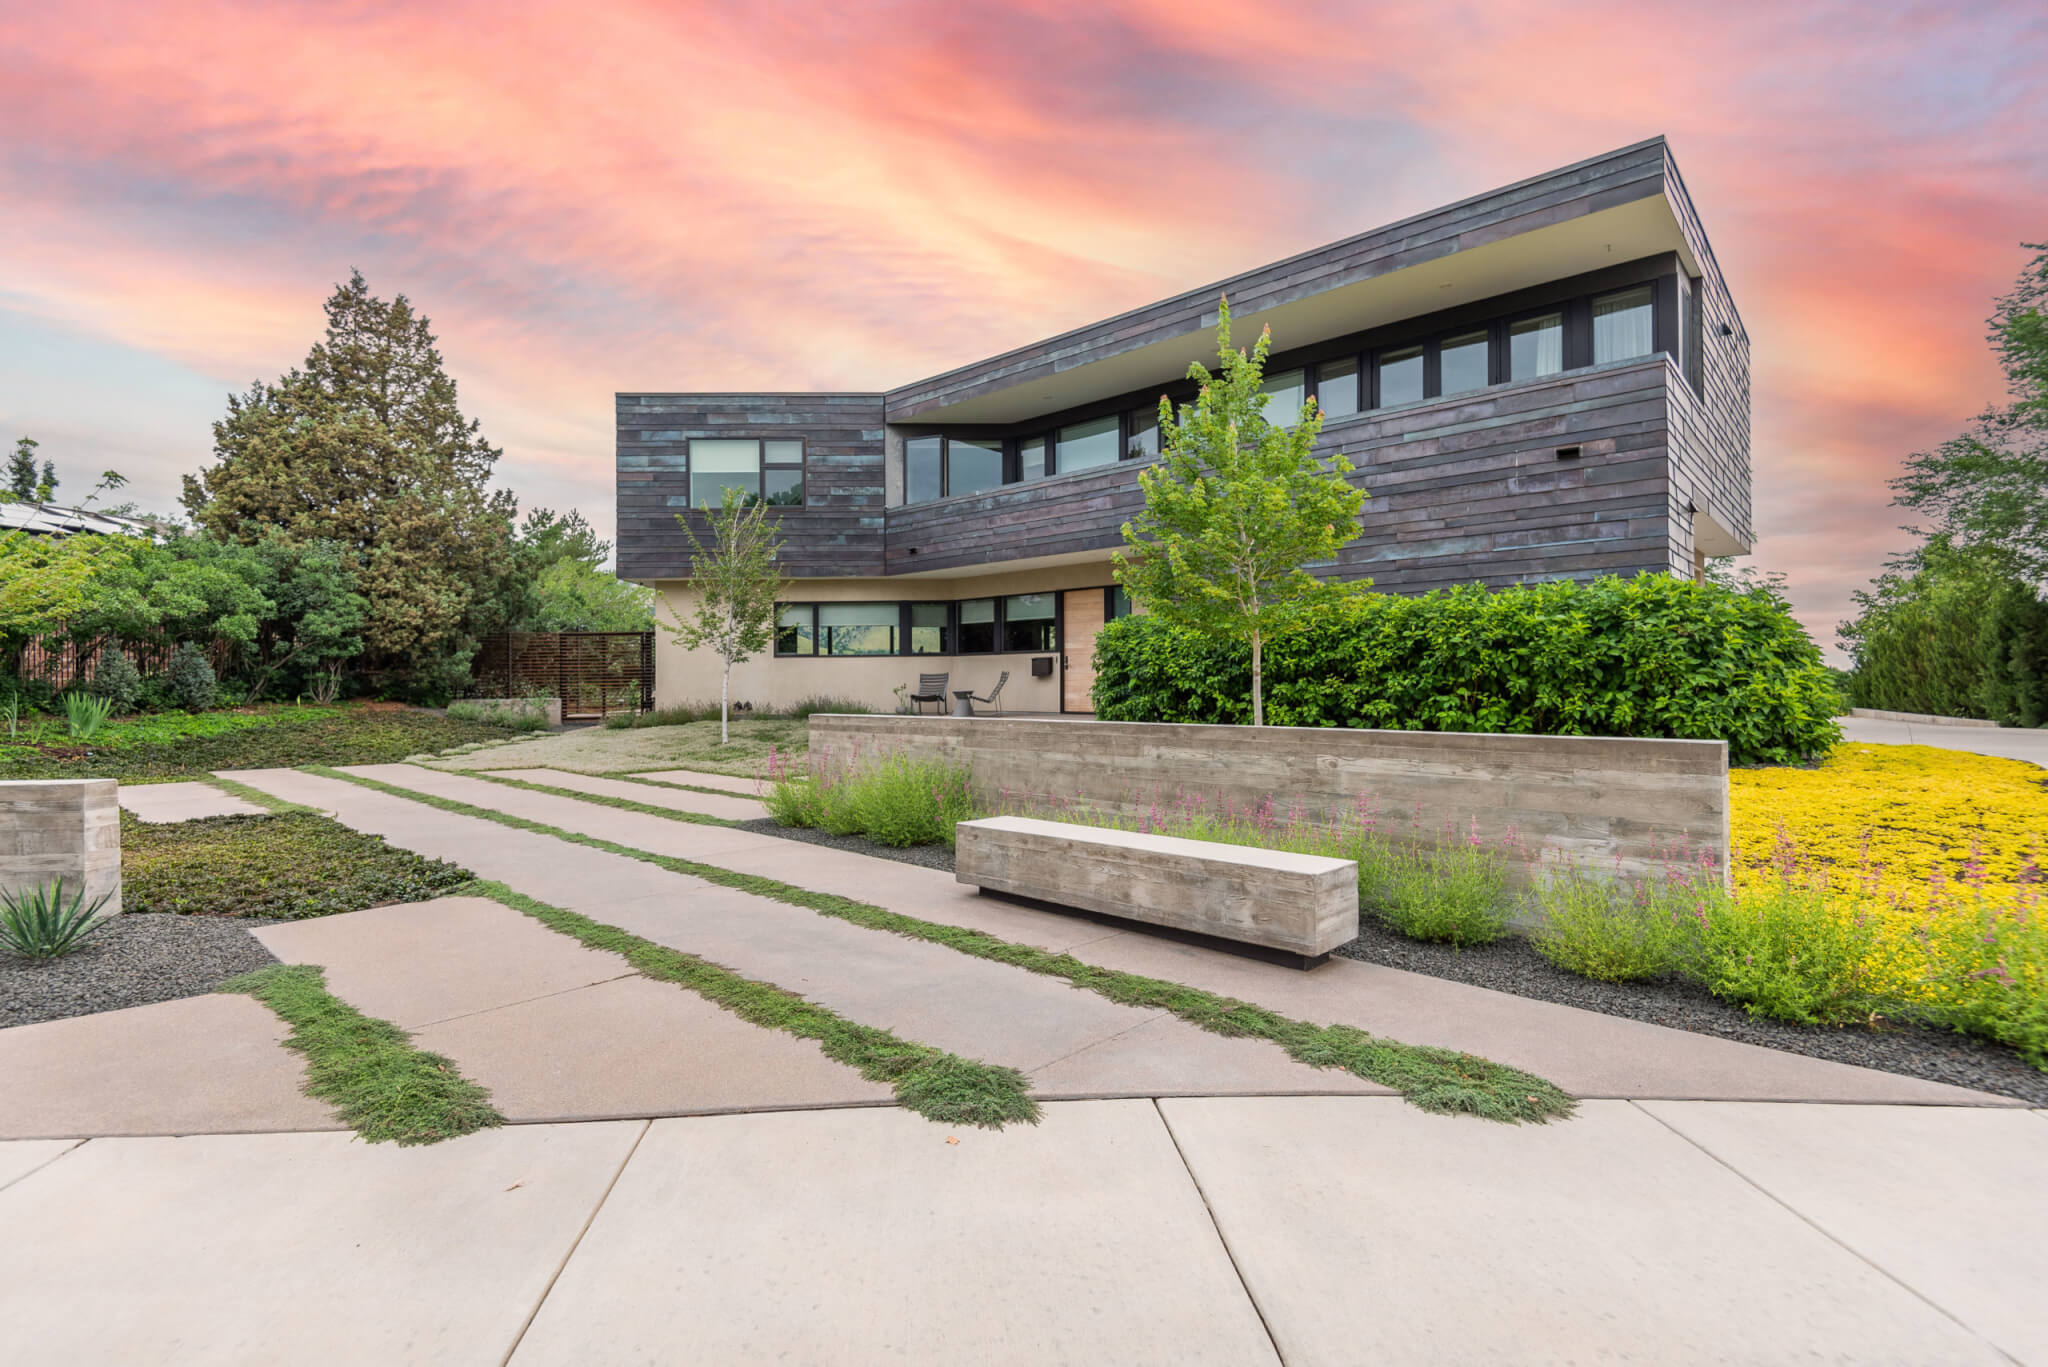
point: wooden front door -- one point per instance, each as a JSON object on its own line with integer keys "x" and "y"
{"x": 1081, "y": 611}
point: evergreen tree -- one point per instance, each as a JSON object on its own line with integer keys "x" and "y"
{"x": 1235, "y": 510}
{"x": 21, "y": 470}
{"x": 365, "y": 446}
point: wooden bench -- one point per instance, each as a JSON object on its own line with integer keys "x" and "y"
{"x": 1301, "y": 904}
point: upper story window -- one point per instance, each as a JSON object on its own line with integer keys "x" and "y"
{"x": 938, "y": 466}
{"x": 1536, "y": 347}
{"x": 1462, "y": 362}
{"x": 762, "y": 471}
{"x": 1031, "y": 458}
{"x": 1085, "y": 445}
{"x": 1400, "y": 375}
{"x": 1143, "y": 441}
{"x": 1337, "y": 387}
{"x": 1285, "y": 393}
{"x": 1621, "y": 325}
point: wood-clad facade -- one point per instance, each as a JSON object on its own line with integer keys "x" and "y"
{"x": 1584, "y": 465}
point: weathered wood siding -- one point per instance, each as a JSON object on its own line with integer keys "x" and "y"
{"x": 838, "y": 532}
{"x": 1610, "y": 803}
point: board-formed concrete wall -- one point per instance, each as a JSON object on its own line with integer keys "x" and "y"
{"x": 62, "y": 828}
{"x": 1616, "y": 805}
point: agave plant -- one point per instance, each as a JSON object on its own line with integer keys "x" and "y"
{"x": 37, "y": 923}
{"x": 87, "y": 713}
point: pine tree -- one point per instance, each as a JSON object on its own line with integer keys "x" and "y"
{"x": 366, "y": 446}
{"x": 21, "y": 470}
{"x": 1236, "y": 508}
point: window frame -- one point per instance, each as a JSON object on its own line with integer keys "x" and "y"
{"x": 762, "y": 465}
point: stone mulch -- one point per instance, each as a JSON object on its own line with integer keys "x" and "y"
{"x": 135, "y": 959}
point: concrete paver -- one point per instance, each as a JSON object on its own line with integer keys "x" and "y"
{"x": 1586, "y": 1053}
{"x": 865, "y": 1237}
{"x": 1369, "y": 1231}
{"x": 675, "y": 799}
{"x": 1948, "y": 1201}
{"x": 162, "y": 802}
{"x": 725, "y": 783}
{"x": 925, "y": 992}
{"x": 2004, "y": 742}
{"x": 214, "y": 1064}
{"x": 263, "y": 1249}
{"x": 420, "y": 962}
{"x": 637, "y": 1047}
{"x": 20, "y": 1157}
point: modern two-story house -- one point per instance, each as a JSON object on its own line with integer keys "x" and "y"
{"x": 1546, "y": 381}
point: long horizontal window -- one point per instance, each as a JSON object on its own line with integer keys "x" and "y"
{"x": 1021, "y": 623}
{"x": 1085, "y": 445}
{"x": 1621, "y": 325}
{"x": 759, "y": 471}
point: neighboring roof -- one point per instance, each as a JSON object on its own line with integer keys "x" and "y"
{"x": 48, "y": 519}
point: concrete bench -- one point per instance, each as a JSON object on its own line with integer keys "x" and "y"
{"x": 1298, "y": 903}
{"x": 66, "y": 829}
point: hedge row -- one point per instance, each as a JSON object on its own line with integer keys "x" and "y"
{"x": 1650, "y": 656}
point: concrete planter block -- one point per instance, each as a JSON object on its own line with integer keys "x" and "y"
{"x": 67, "y": 829}
{"x": 1303, "y": 904}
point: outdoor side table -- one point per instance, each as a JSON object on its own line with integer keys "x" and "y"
{"x": 963, "y": 702}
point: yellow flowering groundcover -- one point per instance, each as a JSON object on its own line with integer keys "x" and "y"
{"x": 1923, "y": 841}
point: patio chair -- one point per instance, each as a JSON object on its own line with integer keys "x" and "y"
{"x": 930, "y": 688}
{"x": 996, "y": 692}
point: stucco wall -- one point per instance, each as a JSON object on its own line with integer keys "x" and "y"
{"x": 1630, "y": 804}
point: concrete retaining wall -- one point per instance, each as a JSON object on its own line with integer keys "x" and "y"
{"x": 62, "y": 828}
{"x": 1616, "y": 804}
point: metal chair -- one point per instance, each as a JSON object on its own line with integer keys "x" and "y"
{"x": 930, "y": 688}
{"x": 996, "y": 692}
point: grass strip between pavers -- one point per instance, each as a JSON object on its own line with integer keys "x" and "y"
{"x": 640, "y": 776}
{"x": 276, "y": 805}
{"x": 382, "y": 1087}
{"x": 1433, "y": 1079}
{"x": 624, "y": 804}
{"x": 939, "y": 1086}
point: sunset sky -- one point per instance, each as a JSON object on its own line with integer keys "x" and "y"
{"x": 600, "y": 197}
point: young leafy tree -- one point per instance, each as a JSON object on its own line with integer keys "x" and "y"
{"x": 367, "y": 447}
{"x": 1235, "y": 509}
{"x": 737, "y": 581}
{"x": 1987, "y": 490}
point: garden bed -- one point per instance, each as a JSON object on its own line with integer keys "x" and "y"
{"x": 131, "y": 961}
{"x": 288, "y": 866}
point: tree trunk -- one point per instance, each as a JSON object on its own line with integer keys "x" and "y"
{"x": 1258, "y": 681}
{"x": 724, "y": 693}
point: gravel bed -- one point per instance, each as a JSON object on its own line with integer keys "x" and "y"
{"x": 938, "y": 857}
{"x": 135, "y": 959}
{"x": 1512, "y": 966}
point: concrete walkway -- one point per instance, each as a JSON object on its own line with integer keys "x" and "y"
{"x": 727, "y": 808}
{"x": 2005, "y": 742}
{"x": 1306, "y": 1230}
{"x": 163, "y": 802}
{"x": 1586, "y": 1053}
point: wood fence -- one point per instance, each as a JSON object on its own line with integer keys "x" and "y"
{"x": 60, "y": 662}
{"x": 594, "y": 673}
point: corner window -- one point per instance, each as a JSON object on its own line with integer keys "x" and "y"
{"x": 978, "y": 626}
{"x": 930, "y": 633}
{"x": 1400, "y": 376}
{"x": 857, "y": 628}
{"x": 1143, "y": 425}
{"x": 1337, "y": 387}
{"x": 717, "y": 464}
{"x": 972, "y": 465}
{"x": 1463, "y": 362}
{"x": 1085, "y": 445}
{"x": 924, "y": 469}
{"x": 1285, "y": 393}
{"x": 796, "y": 630}
{"x": 1031, "y": 458}
{"x": 1621, "y": 325}
{"x": 1536, "y": 347}
{"x": 1028, "y": 622}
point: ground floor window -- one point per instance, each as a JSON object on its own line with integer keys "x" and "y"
{"x": 1025, "y": 623}
{"x": 1029, "y": 622}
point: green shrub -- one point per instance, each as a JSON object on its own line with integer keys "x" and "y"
{"x": 894, "y": 800}
{"x": 803, "y": 708}
{"x": 514, "y": 714}
{"x": 37, "y": 923}
{"x": 1991, "y": 975}
{"x": 190, "y": 680}
{"x": 1617, "y": 929}
{"x": 86, "y": 713}
{"x": 1454, "y": 892}
{"x": 114, "y": 678}
{"x": 1651, "y": 656}
{"x": 682, "y": 714}
{"x": 1782, "y": 951}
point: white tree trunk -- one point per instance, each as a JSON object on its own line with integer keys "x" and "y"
{"x": 1258, "y": 681}
{"x": 724, "y": 696}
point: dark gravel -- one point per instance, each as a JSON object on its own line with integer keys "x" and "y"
{"x": 924, "y": 856}
{"x": 1512, "y": 966}
{"x": 135, "y": 959}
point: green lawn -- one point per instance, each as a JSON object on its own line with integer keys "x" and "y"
{"x": 292, "y": 865}
{"x": 694, "y": 745}
{"x": 173, "y": 745}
